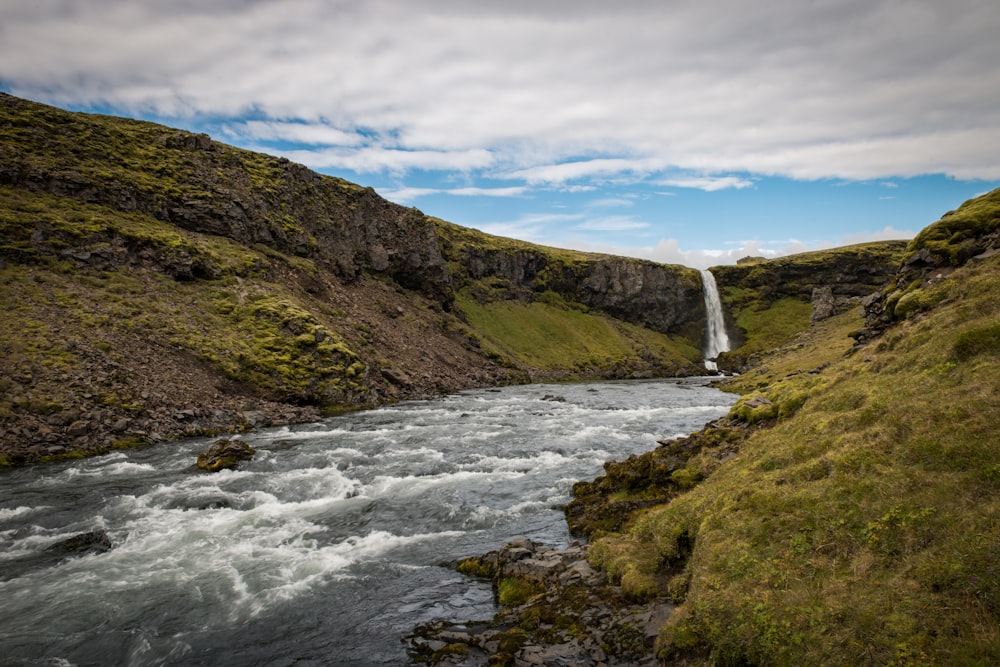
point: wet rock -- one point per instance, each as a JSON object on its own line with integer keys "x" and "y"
{"x": 581, "y": 619}
{"x": 96, "y": 541}
{"x": 225, "y": 454}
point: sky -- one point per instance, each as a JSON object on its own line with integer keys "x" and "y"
{"x": 693, "y": 132}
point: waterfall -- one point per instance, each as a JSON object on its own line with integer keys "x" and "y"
{"x": 716, "y": 340}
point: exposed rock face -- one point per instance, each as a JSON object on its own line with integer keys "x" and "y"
{"x": 843, "y": 274}
{"x": 657, "y": 296}
{"x": 832, "y": 281}
{"x": 923, "y": 267}
{"x": 209, "y": 187}
{"x": 225, "y": 454}
{"x": 827, "y": 304}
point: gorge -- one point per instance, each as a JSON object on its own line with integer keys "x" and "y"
{"x": 161, "y": 287}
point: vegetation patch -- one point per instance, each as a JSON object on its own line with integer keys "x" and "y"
{"x": 954, "y": 237}
{"x": 855, "y": 518}
{"x": 548, "y": 335}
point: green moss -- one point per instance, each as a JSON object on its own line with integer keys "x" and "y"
{"x": 477, "y": 566}
{"x": 950, "y": 237}
{"x": 515, "y": 591}
{"x": 977, "y": 341}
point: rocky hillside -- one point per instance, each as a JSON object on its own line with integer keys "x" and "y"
{"x": 159, "y": 284}
{"x": 770, "y": 301}
{"x": 846, "y": 510}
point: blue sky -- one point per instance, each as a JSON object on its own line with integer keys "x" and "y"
{"x": 692, "y": 132}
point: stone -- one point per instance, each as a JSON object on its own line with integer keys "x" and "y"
{"x": 396, "y": 377}
{"x": 757, "y": 402}
{"x": 78, "y": 428}
{"x": 225, "y": 454}
{"x": 93, "y": 541}
{"x": 823, "y": 303}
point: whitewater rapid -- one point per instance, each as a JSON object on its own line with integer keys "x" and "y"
{"x": 330, "y": 545}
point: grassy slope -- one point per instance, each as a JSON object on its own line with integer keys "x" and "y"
{"x": 552, "y": 335}
{"x": 864, "y": 526}
{"x": 546, "y": 335}
{"x": 252, "y": 329}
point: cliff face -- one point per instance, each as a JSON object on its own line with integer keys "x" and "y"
{"x": 768, "y": 301}
{"x": 656, "y": 296}
{"x": 207, "y": 187}
{"x": 969, "y": 234}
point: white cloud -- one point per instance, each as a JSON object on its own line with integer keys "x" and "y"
{"x": 302, "y": 133}
{"x": 573, "y": 170}
{"x": 669, "y": 251}
{"x": 377, "y": 158}
{"x": 708, "y": 183}
{"x": 614, "y": 223}
{"x": 551, "y": 92}
{"x": 408, "y": 194}
{"x": 885, "y": 234}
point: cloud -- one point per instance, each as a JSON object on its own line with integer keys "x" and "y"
{"x": 885, "y": 234}
{"x": 573, "y": 170}
{"x": 547, "y": 93}
{"x": 312, "y": 134}
{"x": 615, "y": 223}
{"x": 708, "y": 183}
{"x": 370, "y": 159}
{"x": 670, "y": 251}
{"x": 408, "y": 194}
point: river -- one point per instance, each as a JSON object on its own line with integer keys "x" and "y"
{"x": 335, "y": 541}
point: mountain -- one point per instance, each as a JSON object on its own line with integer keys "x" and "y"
{"x": 160, "y": 284}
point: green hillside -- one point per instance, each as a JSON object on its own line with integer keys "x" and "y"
{"x": 859, "y": 522}
{"x": 158, "y": 284}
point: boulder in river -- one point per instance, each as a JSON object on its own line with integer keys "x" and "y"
{"x": 95, "y": 541}
{"x": 225, "y": 454}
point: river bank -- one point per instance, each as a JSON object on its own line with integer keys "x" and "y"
{"x": 560, "y": 606}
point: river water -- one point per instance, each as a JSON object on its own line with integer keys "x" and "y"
{"x": 335, "y": 541}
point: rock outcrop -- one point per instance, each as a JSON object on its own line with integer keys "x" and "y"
{"x": 225, "y": 454}
{"x": 209, "y": 187}
{"x": 562, "y": 612}
{"x": 832, "y": 279}
{"x": 969, "y": 234}
{"x": 664, "y": 298}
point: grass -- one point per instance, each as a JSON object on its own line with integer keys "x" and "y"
{"x": 550, "y": 335}
{"x": 772, "y": 325}
{"x": 863, "y": 527}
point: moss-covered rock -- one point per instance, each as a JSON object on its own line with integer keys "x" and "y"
{"x": 225, "y": 454}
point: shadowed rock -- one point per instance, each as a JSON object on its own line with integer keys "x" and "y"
{"x": 93, "y": 541}
{"x": 225, "y": 454}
